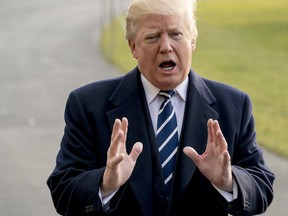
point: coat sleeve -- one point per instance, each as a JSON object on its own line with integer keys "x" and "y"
{"x": 253, "y": 177}
{"x": 75, "y": 181}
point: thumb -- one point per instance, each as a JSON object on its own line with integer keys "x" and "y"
{"x": 136, "y": 150}
{"x": 192, "y": 154}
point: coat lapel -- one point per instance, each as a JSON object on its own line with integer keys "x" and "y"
{"x": 129, "y": 101}
{"x": 194, "y": 133}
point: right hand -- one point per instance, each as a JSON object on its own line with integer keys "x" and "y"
{"x": 120, "y": 164}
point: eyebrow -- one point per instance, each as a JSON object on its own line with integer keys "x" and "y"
{"x": 154, "y": 30}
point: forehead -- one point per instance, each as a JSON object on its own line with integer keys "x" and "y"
{"x": 157, "y": 22}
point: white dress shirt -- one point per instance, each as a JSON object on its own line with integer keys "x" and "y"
{"x": 154, "y": 101}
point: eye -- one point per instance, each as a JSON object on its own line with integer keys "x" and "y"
{"x": 176, "y": 35}
{"x": 150, "y": 38}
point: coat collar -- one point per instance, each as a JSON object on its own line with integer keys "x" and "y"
{"x": 129, "y": 101}
{"x": 130, "y": 85}
{"x": 194, "y": 130}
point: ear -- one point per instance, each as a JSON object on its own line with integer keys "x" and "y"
{"x": 193, "y": 45}
{"x": 133, "y": 50}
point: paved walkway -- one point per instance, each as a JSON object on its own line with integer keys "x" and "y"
{"x": 48, "y": 48}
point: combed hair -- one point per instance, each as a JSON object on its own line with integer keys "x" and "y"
{"x": 139, "y": 9}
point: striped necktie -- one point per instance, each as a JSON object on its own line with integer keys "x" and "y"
{"x": 167, "y": 137}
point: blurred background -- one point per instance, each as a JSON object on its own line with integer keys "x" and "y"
{"x": 49, "y": 47}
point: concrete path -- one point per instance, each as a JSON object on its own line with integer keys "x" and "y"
{"x": 48, "y": 48}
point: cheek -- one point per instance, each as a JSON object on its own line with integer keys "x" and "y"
{"x": 147, "y": 56}
{"x": 186, "y": 53}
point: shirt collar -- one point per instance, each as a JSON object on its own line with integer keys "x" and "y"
{"x": 151, "y": 91}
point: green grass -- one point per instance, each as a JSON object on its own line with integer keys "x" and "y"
{"x": 243, "y": 43}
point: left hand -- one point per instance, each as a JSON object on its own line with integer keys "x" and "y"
{"x": 214, "y": 163}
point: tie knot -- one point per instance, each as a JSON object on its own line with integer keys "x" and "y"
{"x": 167, "y": 94}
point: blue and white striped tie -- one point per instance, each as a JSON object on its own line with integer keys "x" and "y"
{"x": 167, "y": 137}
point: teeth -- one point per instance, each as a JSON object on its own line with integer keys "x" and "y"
{"x": 167, "y": 68}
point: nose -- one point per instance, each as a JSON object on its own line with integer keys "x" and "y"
{"x": 165, "y": 44}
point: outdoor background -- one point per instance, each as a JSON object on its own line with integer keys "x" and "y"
{"x": 50, "y": 47}
{"x": 243, "y": 43}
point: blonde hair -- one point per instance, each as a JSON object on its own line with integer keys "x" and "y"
{"x": 139, "y": 9}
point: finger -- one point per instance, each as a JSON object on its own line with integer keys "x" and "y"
{"x": 227, "y": 167}
{"x": 113, "y": 163}
{"x": 192, "y": 154}
{"x": 124, "y": 128}
{"x": 113, "y": 149}
{"x": 211, "y": 135}
{"x": 226, "y": 158}
{"x": 136, "y": 151}
{"x": 210, "y": 130}
{"x": 216, "y": 127}
{"x": 116, "y": 127}
{"x": 218, "y": 137}
{"x": 118, "y": 140}
{"x": 221, "y": 140}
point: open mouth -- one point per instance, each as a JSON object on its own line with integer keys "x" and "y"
{"x": 167, "y": 65}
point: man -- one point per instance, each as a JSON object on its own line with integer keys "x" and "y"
{"x": 215, "y": 165}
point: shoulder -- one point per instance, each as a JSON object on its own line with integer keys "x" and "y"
{"x": 101, "y": 91}
{"x": 99, "y": 87}
{"x": 222, "y": 87}
{"x": 221, "y": 94}
{"x": 214, "y": 90}
{"x": 228, "y": 96}
{"x": 107, "y": 86}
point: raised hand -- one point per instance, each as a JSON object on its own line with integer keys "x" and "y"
{"x": 214, "y": 163}
{"x": 120, "y": 164}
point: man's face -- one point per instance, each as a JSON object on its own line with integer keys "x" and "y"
{"x": 163, "y": 47}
